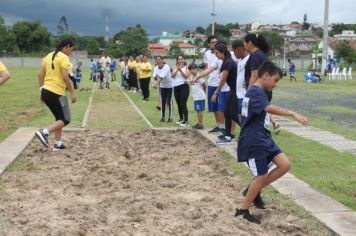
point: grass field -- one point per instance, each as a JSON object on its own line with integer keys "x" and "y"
{"x": 325, "y": 104}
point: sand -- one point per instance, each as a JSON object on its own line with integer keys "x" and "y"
{"x": 132, "y": 183}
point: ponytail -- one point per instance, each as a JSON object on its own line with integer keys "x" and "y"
{"x": 258, "y": 41}
{"x": 223, "y": 49}
{"x": 60, "y": 46}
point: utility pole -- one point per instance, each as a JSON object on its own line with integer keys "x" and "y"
{"x": 325, "y": 36}
{"x": 213, "y": 19}
{"x": 107, "y": 30}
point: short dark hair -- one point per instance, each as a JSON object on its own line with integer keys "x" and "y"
{"x": 270, "y": 68}
{"x": 237, "y": 44}
{"x": 210, "y": 37}
{"x": 192, "y": 66}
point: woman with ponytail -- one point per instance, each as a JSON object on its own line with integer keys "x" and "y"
{"x": 226, "y": 92}
{"x": 258, "y": 48}
{"x": 53, "y": 79}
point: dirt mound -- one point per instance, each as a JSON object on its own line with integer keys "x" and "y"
{"x": 142, "y": 183}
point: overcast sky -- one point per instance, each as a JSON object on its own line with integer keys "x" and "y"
{"x": 87, "y": 17}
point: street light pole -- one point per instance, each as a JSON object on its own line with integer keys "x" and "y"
{"x": 213, "y": 19}
{"x": 325, "y": 35}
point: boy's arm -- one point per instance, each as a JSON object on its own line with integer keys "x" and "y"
{"x": 275, "y": 110}
{"x": 204, "y": 73}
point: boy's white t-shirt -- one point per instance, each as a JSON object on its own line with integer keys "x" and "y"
{"x": 165, "y": 74}
{"x": 240, "y": 80}
{"x": 211, "y": 59}
{"x": 198, "y": 91}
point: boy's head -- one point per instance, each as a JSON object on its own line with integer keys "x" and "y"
{"x": 193, "y": 68}
{"x": 238, "y": 48}
{"x": 268, "y": 75}
{"x": 107, "y": 64}
{"x": 79, "y": 63}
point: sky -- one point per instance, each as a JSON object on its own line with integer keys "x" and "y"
{"x": 87, "y": 17}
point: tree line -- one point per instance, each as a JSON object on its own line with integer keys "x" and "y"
{"x": 31, "y": 38}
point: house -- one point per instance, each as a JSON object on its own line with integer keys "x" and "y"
{"x": 346, "y": 35}
{"x": 302, "y": 44}
{"x": 167, "y": 38}
{"x": 186, "y": 48}
{"x": 156, "y": 49}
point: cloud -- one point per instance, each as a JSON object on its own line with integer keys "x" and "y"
{"x": 88, "y": 17}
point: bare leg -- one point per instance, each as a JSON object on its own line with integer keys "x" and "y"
{"x": 283, "y": 165}
{"x": 56, "y": 127}
{"x": 200, "y": 118}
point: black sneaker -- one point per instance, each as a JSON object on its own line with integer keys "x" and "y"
{"x": 158, "y": 108}
{"x": 258, "y": 202}
{"x": 215, "y": 130}
{"x": 170, "y": 120}
{"x": 247, "y": 216}
{"x": 223, "y": 136}
{"x": 162, "y": 120}
{"x": 58, "y": 148}
{"x": 197, "y": 126}
{"x": 42, "y": 137}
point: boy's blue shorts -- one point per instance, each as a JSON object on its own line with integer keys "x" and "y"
{"x": 199, "y": 105}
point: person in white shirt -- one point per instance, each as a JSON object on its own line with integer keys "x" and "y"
{"x": 213, "y": 65}
{"x": 162, "y": 74}
{"x": 240, "y": 56}
{"x": 181, "y": 89}
{"x": 198, "y": 90}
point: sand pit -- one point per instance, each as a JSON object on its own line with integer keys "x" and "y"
{"x": 132, "y": 183}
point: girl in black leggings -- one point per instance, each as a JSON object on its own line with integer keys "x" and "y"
{"x": 181, "y": 89}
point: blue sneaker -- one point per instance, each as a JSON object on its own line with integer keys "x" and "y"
{"x": 224, "y": 140}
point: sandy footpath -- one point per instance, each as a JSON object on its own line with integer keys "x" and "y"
{"x": 132, "y": 183}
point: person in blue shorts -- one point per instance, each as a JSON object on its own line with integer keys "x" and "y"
{"x": 198, "y": 90}
{"x": 78, "y": 73}
{"x": 113, "y": 68}
{"x": 255, "y": 144}
{"x": 291, "y": 70}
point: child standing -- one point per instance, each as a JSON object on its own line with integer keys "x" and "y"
{"x": 198, "y": 90}
{"x": 107, "y": 75}
{"x": 255, "y": 144}
{"x": 78, "y": 73}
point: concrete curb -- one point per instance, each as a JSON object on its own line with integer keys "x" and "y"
{"x": 336, "y": 216}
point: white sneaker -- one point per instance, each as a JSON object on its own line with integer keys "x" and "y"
{"x": 184, "y": 124}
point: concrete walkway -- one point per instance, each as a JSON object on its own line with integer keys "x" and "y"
{"x": 327, "y": 138}
{"x": 333, "y": 214}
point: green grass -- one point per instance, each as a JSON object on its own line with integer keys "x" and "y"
{"x": 324, "y": 168}
{"x": 20, "y": 102}
{"x": 323, "y": 103}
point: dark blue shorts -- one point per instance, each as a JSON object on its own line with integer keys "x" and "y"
{"x": 261, "y": 159}
{"x": 199, "y": 105}
{"x": 222, "y": 96}
{"x": 212, "y": 106}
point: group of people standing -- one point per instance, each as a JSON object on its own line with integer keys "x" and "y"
{"x": 240, "y": 85}
{"x": 103, "y": 70}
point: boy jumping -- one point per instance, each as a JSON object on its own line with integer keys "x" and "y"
{"x": 255, "y": 144}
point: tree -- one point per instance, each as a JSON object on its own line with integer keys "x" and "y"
{"x": 338, "y": 28}
{"x": 200, "y": 30}
{"x": 93, "y": 47}
{"x": 274, "y": 39}
{"x": 346, "y": 52}
{"x": 134, "y": 40}
{"x": 7, "y": 38}
{"x": 115, "y": 50}
{"x": 62, "y": 26}
{"x": 174, "y": 50}
{"x": 306, "y": 25}
{"x": 221, "y": 31}
{"x": 233, "y": 25}
{"x": 31, "y": 36}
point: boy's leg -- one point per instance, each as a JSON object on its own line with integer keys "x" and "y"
{"x": 200, "y": 118}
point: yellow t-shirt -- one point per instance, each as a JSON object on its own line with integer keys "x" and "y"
{"x": 2, "y": 67}
{"x": 53, "y": 80}
{"x": 132, "y": 65}
{"x": 145, "y": 66}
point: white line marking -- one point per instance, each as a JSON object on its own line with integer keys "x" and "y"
{"x": 136, "y": 108}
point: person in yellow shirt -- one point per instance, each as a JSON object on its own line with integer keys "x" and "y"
{"x": 145, "y": 71}
{"x": 132, "y": 81}
{"x": 4, "y": 74}
{"x": 53, "y": 79}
